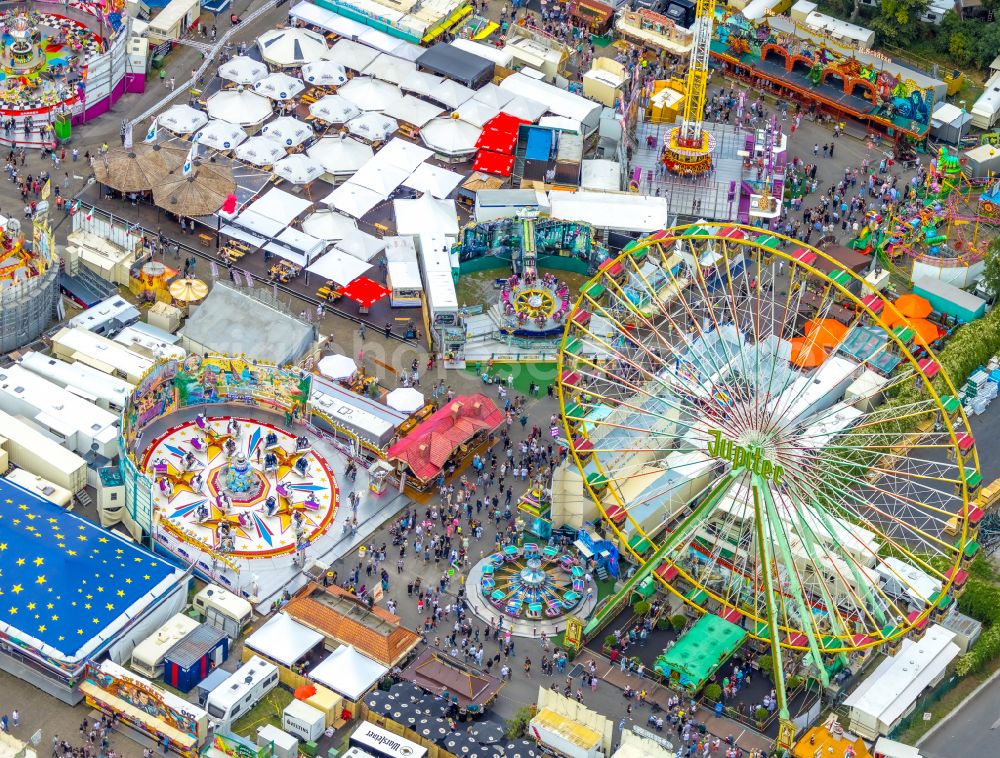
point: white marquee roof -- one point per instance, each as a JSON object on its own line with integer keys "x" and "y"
{"x": 426, "y": 215}
{"x": 339, "y": 267}
{"x": 283, "y": 639}
{"x": 439, "y": 182}
{"x": 329, "y": 225}
{"x": 353, "y": 199}
{"x": 340, "y": 155}
{"x": 239, "y": 106}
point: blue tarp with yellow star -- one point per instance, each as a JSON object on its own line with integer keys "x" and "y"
{"x": 67, "y": 585}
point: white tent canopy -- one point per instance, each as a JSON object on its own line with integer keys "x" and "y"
{"x": 370, "y": 94}
{"x": 413, "y": 110}
{"x": 242, "y": 70}
{"x": 348, "y": 672}
{"x": 303, "y": 243}
{"x": 337, "y": 366}
{"x": 340, "y": 155}
{"x": 426, "y": 215}
{"x": 389, "y": 68}
{"x": 402, "y": 154}
{"x": 379, "y": 176}
{"x": 352, "y": 55}
{"x": 450, "y": 136}
{"x": 339, "y": 267}
{"x": 491, "y": 94}
{"x": 298, "y": 169}
{"x": 279, "y": 205}
{"x": 439, "y": 182}
{"x": 353, "y": 199}
{"x": 283, "y": 639}
{"x": 329, "y": 225}
{"x": 422, "y": 83}
{"x": 262, "y": 226}
{"x": 182, "y": 119}
{"x": 405, "y": 399}
{"x": 360, "y": 245}
{"x": 279, "y": 86}
{"x": 239, "y": 106}
{"x": 476, "y": 113}
{"x": 372, "y": 126}
{"x": 452, "y": 94}
{"x": 327, "y": 19}
{"x": 524, "y": 108}
{"x": 287, "y": 47}
{"x": 324, "y": 73}
{"x": 333, "y": 109}
{"x": 260, "y": 151}
{"x": 288, "y": 131}
{"x": 221, "y": 135}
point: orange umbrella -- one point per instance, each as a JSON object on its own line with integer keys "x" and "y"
{"x": 826, "y": 332}
{"x": 926, "y": 330}
{"x": 913, "y": 306}
{"x": 304, "y": 692}
{"x": 806, "y": 353}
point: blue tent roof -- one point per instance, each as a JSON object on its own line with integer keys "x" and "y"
{"x": 65, "y": 581}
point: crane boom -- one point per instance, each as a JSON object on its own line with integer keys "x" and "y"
{"x": 697, "y": 76}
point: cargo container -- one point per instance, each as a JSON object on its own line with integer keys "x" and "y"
{"x": 281, "y": 744}
{"x": 108, "y": 392}
{"x": 303, "y": 721}
{"x": 42, "y": 456}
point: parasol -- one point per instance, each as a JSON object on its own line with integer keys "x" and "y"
{"x": 163, "y": 159}
{"x": 154, "y": 268}
{"x": 200, "y": 193}
{"x": 405, "y": 399}
{"x": 365, "y": 292}
{"x": 239, "y": 106}
{"x": 487, "y": 732}
{"x": 913, "y": 306}
{"x": 260, "y": 151}
{"x": 337, "y": 366}
{"x": 188, "y": 290}
{"x": 288, "y": 47}
{"x": 374, "y": 127}
{"x": 825, "y": 332}
{"x": 128, "y": 170}
{"x": 279, "y": 86}
{"x": 298, "y": 169}
{"x": 806, "y": 353}
{"x": 221, "y": 135}
{"x": 334, "y": 109}
{"x": 926, "y": 330}
{"x": 340, "y": 155}
{"x": 182, "y": 119}
{"x": 324, "y": 73}
{"x": 288, "y": 131}
{"x": 242, "y": 70}
{"x": 370, "y": 94}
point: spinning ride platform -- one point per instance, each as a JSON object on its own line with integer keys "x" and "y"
{"x": 534, "y": 306}
{"x": 532, "y": 589}
{"x": 280, "y": 499}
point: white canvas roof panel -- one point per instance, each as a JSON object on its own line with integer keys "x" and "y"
{"x": 605, "y": 210}
{"x": 259, "y": 224}
{"x": 559, "y": 101}
{"x": 351, "y": 54}
{"x": 601, "y": 174}
{"x": 280, "y": 205}
{"x": 476, "y": 112}
{"x": 524, "y": 108}
{"x": 283, "y": 639}
{"x": 402, "y": 154}
{"x": 299, "y": 259}
{"x": 304, "y": 243}
{"x": 328, "y": 225}
{"x": 339, "y": 267}
{"x": 400, "y": 248}
{"x": 348, "y": 672}
{"x": 414, "y": 111}
{"x": 340, "y": 155}
{"x": 379, "y": 176}
{"x": 360, "y": 245}
{"x": 426, "y": 215}
{"x": 439, "y": 182}
{"x": 389, "y": 68}
{"x": 422, "y": 83}
{"x": 353, "y": 199}
{"x": 404, "y": 274}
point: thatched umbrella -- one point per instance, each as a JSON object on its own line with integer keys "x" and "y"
{"x": 128, "y": 170}
{"x": 200, "y": 193}
{"x": 163, "y": 159}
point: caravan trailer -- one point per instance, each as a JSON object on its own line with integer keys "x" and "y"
{"x": 147, "y": 658}
{"x": 108, "y": 392}
{"x": 241, "y": 692}
{"x": 223, "y": 610}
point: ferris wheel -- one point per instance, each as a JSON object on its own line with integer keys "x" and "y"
{"x": 756, "y": 434}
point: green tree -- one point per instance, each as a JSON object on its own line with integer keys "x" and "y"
{"x": 898, "y": 21}
{"x": 991, "y": 268}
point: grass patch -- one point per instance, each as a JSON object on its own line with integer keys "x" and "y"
{"x": 542, "y": 374}
{"x": 267, "y": 711}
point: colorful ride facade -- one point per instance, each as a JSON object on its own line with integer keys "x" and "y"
{"x": 859, "y": 84}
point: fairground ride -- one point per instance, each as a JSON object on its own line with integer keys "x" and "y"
{"x": 724, "y": 402}
{"x": 688, "y": 150}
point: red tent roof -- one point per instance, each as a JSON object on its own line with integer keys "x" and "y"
{"x": 431, "y": 443}
{"x": 493, "y": 163}
{"x": 364, "y": 291}
{"x": 498, "y": 142}
{"x": 504, "y": 122}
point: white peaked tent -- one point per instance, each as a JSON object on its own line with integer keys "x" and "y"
{"x": 351, "y": 54}
{"x": 524, "y": 108}
{"x": 288, "y": 131}
{"x": 422, "y": 83}
{"x": 372, "y": 126}
{"x": 389, "y": 68}
{"x": 439, "y": 182}
{"x": 334, "y": 109}
{"x": 370, "y": 94}
{"x": 221, "y": 135}
{"x": 289, "y": 47}
{"x": 339, "y": 267}
{"x": 360, "y": 245}
{"x": 476, "y": 113}
{"x": 239, "y": 106}
{"x": 452, "y": 94}
{"x": 324, "y": 74}
{"x": 298, "y": 169}
{"x": 242, "y": 70}
{"x": 405, "y": 399}
{"x": 425, "y": 215}
{"x": 450, "y": 136}
{"x": 339, "y": 155}
{"x": 379, "y": 176}
{"x": 353, "y": 199}
{"x": 402, "y": 154}
{"x": 491, "y": 94}
{"x": 413, "y": 110}
{"x": 337, "y": 366}
{"x": 279, "y": 86}
{"x": 260, "y": 151}
{"x": 182, "y": 119}
{"x": 329, "y": 225}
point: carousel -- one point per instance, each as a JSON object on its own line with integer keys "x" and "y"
{"x": 533, "y": 305}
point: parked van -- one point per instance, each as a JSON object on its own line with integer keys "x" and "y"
{"x": 240, "y": 692}
{"x": 223, "y": 610}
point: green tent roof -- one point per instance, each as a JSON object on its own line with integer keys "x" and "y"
{"x": 701, "y": 651}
